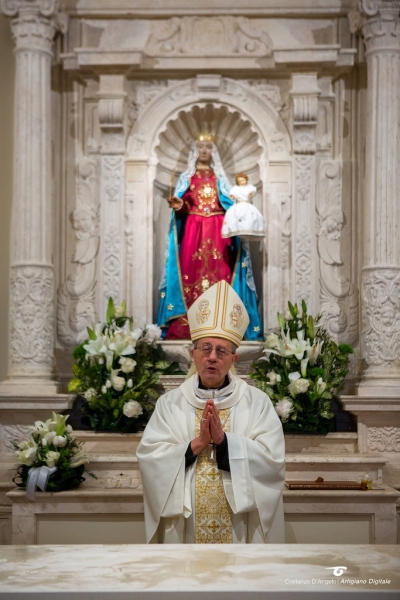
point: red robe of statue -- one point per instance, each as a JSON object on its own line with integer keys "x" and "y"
{"x": 205, "y": 257}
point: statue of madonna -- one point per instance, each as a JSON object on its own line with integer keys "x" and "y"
{"x": 197, "y": 255}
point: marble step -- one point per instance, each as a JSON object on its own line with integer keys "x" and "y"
{"x": 112, "y": 443}
{"x": 342, "y": 467}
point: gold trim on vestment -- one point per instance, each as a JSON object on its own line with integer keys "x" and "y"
{"x": 213, "y": 515}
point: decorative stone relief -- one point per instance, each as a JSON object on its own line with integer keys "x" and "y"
{"x": 112, "y": 264}
{"x": 304, "y": 167}
{"x": 381, "y": 316}
{"x": 209, "y": 36}
{"x": 113, "y": 172}
{"x": 32, "y": 318}
{"x": 14, "y": 433}
{"x": 76, "y": 298}
{"x": 303, "y": 266}
{"x": 286, "y": 230}
{"x": 384, "y": 439}
{"x": 129, "y": 228}
{"x": 339, "y": 301}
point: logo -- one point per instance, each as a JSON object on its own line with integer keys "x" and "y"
{"x": 338, "y": 571}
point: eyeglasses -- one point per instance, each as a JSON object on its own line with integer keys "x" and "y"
{"x": 220, "y": 351}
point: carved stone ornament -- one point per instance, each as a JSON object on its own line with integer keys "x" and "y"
{"x": 14, "y": 433}
{"x": 76, "y": 298}
{"x": 381, "y": 316}
{"x": 35, "y": 23}
{"x": 209, "y": 36}
{"x": 339, "y": 301}
{"x": 31, "y": 317}
{"x": 304, "y": 167}
{"x": 303, "y": 265}
{"x": 112, "y": 264}
{"x": 383, "y": 439}
{"x": 378, "y": 22}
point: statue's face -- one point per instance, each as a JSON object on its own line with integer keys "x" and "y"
{"x": 241, "y": 181}
{"x": 205, "y": 150}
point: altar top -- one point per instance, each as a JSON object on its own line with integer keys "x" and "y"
{"x": 176, "y": 571}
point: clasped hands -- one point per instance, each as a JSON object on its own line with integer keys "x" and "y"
{"x": 210, "y": 429}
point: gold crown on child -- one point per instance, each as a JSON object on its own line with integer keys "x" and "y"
{"x": 206, "y": 136}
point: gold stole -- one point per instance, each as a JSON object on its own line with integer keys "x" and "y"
{"x": 213, "y": 516}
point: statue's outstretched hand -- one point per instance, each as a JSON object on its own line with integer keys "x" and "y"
{"x": 175, "y": 203}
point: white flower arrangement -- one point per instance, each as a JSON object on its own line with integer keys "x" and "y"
{"x": 52, "y": 449}
{"x": 302, "y": 371}
{"x": 117, "y": 371}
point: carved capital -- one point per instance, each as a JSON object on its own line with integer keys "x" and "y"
{"x": 381, "y": 317}
{"x": 35, "y": 23}
{"x": 378, "y": 23}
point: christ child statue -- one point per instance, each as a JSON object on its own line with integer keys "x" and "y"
{"x": 243, "y": 219}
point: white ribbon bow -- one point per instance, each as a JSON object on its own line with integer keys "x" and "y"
{"x": 38, "y": 477}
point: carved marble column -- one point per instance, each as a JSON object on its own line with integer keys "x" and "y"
{"x": 112, "y": 96}
{"x": 379, "y": 24}
{"x": 34, "y": 25}
{"x": 304, "y": 93}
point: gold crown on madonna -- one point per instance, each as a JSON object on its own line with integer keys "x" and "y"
{"x": 220, "y": 313}
{"x": 206, "y": 136}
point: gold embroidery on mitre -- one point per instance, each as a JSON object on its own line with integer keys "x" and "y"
{"x": 213, "y": 516}
{"x": 203, "y": 312}
{"x": 236, "y": 316}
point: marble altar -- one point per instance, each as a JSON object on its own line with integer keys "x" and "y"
{"x": 196, "y": 571}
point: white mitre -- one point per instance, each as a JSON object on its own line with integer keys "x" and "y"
{"x": 220, "y": 313}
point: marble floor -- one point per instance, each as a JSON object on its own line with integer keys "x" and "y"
{"x": 155, "y": 572}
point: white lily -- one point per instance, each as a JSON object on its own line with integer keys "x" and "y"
{"x": 303, "y": 367}
{"x": 313, "y": 352}
{"x": 321, "y": 385}
{"x": 96, "y": 347}
{"x": 78, "y": 459}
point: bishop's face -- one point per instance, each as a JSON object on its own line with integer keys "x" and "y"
{"x": 213, "y": 358}
{"x": 204, "y": 150}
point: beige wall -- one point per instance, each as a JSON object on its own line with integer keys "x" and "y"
{"x": 7, "y": 70}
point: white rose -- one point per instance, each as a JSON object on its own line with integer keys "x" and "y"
{"x": 153, "y": 333}
{"x": 89, "y": 394}
{"x": 127, "y": 364}
{"x": 271, "y": 341}
{"x": 59, "y": 441}
{"x": 298, "y": 386}
{"x": 129, "y": 383}
{"x": 132, "y": 409}
{"x": 103, "y": 389}
{"x": 118, "y": 383}
{"x": 273, "y": 377}
{"x": 52, "y": 458}
{"x": 108, "y": 384}
{"x": 283, "y": 408}
{"x": 69, "y": 429}
{"x": 50, "y": 437}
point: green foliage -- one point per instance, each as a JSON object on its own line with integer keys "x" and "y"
{"x": 118, "y": 365}
{"x": 302, "y": 372}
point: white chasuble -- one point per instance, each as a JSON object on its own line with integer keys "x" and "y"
{"x": 252, "y": 490}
